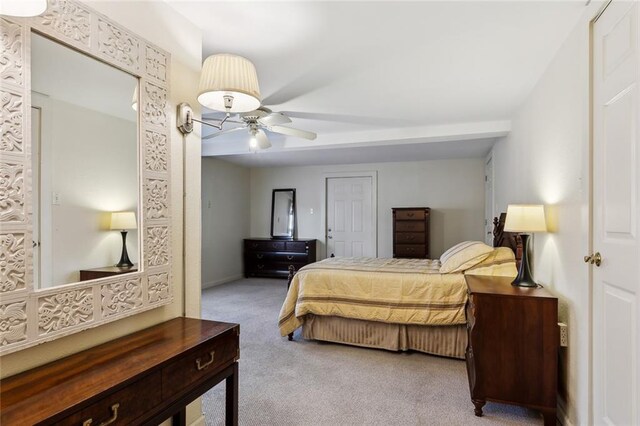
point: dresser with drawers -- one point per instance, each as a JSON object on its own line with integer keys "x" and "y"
{"x": 266, "y": 257}
{"x": 139, "y": 379}
{"x": 411, "y": 232}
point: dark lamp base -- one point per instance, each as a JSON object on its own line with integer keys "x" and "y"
{"x": 124, "y": 257}
{"x": 524, "y": 278}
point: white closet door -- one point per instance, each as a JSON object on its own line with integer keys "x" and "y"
{"x": 616, "y": 216}
{"x": 350, "y": 224}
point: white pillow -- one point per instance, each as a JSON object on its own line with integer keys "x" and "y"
{"x": 463, "y": 256}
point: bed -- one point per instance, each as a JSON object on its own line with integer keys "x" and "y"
{"x": 394, "y": 304}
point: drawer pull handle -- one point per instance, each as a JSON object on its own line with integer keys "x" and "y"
{"x": 113, "y": 418}
{"x": 410, "y": 214}
{"x": 259, "y": 256}
{"x": 254, "y": 245}
{"x": 260, "y": 266}
{"x": 201, "y": 366}
{"x": 289, "y": 257}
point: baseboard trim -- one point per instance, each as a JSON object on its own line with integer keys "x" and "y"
{"x": 223, "y": 281}
{"x": 563, "y": 416}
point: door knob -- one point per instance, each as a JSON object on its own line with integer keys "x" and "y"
{"x": 595, "y": 258}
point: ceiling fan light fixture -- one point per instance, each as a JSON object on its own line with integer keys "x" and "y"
{"x": 229, "y": 83}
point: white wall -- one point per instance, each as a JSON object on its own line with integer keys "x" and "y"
{"x": 94, "y": 169}
{"x": 545, "y": 160}
{"x": 159, "y": 23}
{"x": 225, "y": 220}
{"x": 454, "y": 189}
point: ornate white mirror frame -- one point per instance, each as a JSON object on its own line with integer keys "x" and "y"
{"x": 29, "y": 316}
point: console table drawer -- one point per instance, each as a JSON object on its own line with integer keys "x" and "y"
{"x": 410, "y": 237}
{"x": 276, "y": 256}
{"x": 264, "y": 245}
{"x": 200, "y": 364}
{"x": 410, "y": 226}
{"x": 417, "y": 214}
{"x": 124, "y": 406}
{"x": 409, "y": 250}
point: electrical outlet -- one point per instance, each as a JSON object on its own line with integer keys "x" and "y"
{"x": 55, "y": 199}
{"x": 311, "y": 211}
{"x": 564, "y": 334}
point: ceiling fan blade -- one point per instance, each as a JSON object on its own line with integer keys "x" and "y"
{"x": 222, "y": 132}
{"x": 262, "y": 139}
{"x": 274, "y": 118}
{"x": 293, "y": 132}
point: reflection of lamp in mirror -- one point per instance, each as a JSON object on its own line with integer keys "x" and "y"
{"x": 525, "y": 219}
{"x": 22, "y": 8}
{"x": 123, "y": 221}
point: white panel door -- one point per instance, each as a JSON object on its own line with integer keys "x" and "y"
{"x": 616, "y": 282}
{"x": 350, "y": 231}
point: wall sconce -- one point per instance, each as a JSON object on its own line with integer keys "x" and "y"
{"x": 228, "y": 83}
{"x": 23, "y": 8}
{"x": 123, "y": 221}
{"x": 525, "y": 219}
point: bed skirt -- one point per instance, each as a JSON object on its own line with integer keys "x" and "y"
{"x": 449, "y": 340}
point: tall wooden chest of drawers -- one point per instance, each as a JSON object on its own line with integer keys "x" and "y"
{"x": 512, "y": 351}
{"x": 411, "y": 232}
{"x": 266, "y": 257}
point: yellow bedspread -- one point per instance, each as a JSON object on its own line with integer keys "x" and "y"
{"x": 401, "y": 291}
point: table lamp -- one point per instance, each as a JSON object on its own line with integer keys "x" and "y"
{"x": 525, "y": 219}
{"x": 123, "y": 221}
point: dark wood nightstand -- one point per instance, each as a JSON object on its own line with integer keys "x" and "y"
{"x": 107, "y": 271}
{"x": 514, "y": 338}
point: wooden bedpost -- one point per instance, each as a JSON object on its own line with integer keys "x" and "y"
{"x": 292, "y": 272}
{"x": 502, "y": 238}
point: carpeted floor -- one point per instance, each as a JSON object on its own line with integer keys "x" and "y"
{"x": 313, "y": 383}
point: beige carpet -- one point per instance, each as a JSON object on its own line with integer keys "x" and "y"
{"x": 312, "y": 383}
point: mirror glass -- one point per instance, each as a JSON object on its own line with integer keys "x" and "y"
{"x": 85, "y": 162}
{"x": 283, "y": 213}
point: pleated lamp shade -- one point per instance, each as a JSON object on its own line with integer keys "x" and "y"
{"x": 229, "y": 75}
{"x": 23, "y": 8}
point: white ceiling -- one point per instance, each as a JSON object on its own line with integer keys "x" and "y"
{"x": 391, "y": 74}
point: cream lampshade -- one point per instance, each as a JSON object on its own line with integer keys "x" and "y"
{"x": 229, "y": 83}
{"x": 22, "y": 8}
{"x": 123, "y": 221}
{"x": 525, "y": 219}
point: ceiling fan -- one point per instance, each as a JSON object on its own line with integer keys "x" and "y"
{"x": 256, "y": 122}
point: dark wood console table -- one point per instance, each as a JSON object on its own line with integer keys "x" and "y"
{"x": 106, "y": 271}
{"x": 268, "y": 257}
{"x": 143, "y": 378}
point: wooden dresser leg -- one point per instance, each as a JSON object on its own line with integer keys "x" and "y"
{"x": 231, "y": 415}
{"x": 478, "y": 403}
{"x": 180, "y": 418}
{"x": 550, "y": 417}
{"x": 290, "y": 336}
